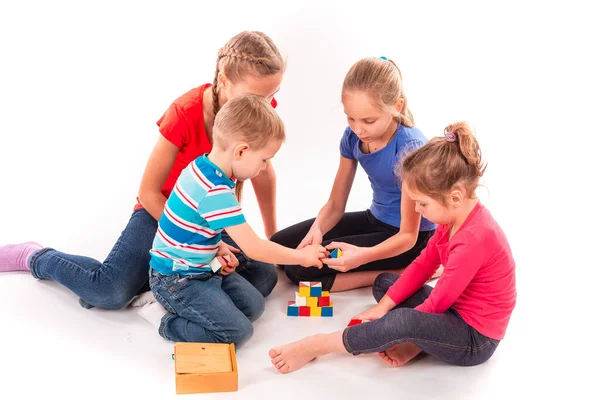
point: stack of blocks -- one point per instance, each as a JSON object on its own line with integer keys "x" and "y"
{"x": 311, "y": 301}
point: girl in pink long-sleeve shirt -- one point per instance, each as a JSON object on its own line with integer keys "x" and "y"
{"x": 462, "y": 319}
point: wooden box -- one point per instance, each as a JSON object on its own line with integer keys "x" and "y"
{"x": 205, "y": 368}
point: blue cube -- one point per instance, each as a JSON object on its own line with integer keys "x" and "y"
{"x": 292, "y": 311}
{"x": 316, "y": 291}
{"x": 326, "y": 311}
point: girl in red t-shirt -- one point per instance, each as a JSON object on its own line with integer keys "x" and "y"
{"x": 248, "y": 63}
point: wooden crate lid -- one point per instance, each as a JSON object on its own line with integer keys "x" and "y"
{"x": 199, "y": 358}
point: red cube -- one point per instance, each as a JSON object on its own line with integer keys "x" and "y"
{"x": 324, "y": 301}
{"x": 304, "y": 311}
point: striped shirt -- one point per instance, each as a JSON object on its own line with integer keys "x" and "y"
{"x": 201, "y": 205}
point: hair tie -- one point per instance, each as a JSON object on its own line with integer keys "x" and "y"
{"x": 451, "y": 137}
{"x": 384, "y": 58}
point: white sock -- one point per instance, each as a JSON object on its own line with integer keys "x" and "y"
{"x": 153, "y": 313}
{"x": 143, "y": 299}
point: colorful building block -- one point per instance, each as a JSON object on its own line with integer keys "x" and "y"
{"x": 217, "y": 263}
{"x": 324, "y": 301}
{"x": 292, "y": 309}
{"x": 304, "y": 311}
{"x": 355, "y": 322}
{"x": 300, "y": 300}
{"x": 304, "y": 291}
{"x": 312, "y": 301}
{"x": 336, "y": 253}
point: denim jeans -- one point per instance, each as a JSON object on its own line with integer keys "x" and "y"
{"x": 113, "y": 283}
{"x": 357, "y": 228}
{"x": 445, "y": 336}
{"x": 207, "y": 307}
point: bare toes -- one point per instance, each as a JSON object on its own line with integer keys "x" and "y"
{"x": 274, "y": 352}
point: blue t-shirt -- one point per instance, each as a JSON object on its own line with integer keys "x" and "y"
{"x": 201, "y": 205}
{"x": 380, "y": 166}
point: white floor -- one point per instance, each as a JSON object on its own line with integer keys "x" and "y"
{"x": 83, "y": 83}
{"x": 50, "y": 345}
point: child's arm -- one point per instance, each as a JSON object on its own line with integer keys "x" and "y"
{"x": 417, "y": 273}
{"x": 333, "y": 210}
{"x": 264, "y": 186}
{"x": 157, "y": 171}
{"x": 413, "y": 278}
{"x": 404, "y": 240}
{"x": 463, "y": 263}
{"x": 270, "y": 252}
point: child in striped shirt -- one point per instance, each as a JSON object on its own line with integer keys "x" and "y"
{"x": 195, "y": 303}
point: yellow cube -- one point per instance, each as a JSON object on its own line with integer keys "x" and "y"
{"x": 325, "y": 294}
{"x": 315, "y": 311}
{"x": 312, "y": 302}
{"x": 304, "y": 291}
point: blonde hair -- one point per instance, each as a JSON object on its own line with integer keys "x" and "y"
{"x": 248, "y": 52}
{"x": 382, "y": 80}
{"x": 249, "y": 118}
{"x": 445, "y": 162}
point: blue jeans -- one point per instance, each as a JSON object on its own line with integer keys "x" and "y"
{"x": 446, "y": 336}
{"x": 207, "y": 307}
{"x": 113, "y": 283}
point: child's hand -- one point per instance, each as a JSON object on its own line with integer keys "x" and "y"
{"x": 352, "y": 257}
{"x": 372, "y": 313}
{"x": 227, "y": 252}
{"x": 314, "y": 236}
{"x": 311, "y": 255}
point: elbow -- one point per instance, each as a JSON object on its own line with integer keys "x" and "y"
{"x": 142, "y": 196}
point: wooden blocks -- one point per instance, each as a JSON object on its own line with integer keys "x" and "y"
{"x": 336, "y": 253}
{"x": 217, "y": 263}
{"x": 324, "y": 301}
{"x": 292, "y": 310}
{"x": 355, "y": 322}
{"x": 300, "y": 300}
{"x": 304, "y": 289}
{"x": 327, "y": 311}
{"x": 311, "y": 301}
{"x": 205, "y": 368}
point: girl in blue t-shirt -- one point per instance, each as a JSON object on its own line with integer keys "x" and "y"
{"x": 390, "y": 234}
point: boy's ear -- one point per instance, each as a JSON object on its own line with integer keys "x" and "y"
{"x": 240, "y": 150}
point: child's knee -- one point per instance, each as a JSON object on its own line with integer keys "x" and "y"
{"x": 243, "y": 332}
{"x": 382, "y": 283}
{"x": 270, "y": 280}
{"x": 255, "y": 307}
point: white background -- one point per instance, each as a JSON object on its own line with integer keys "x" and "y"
{"x": 82, "y": 85}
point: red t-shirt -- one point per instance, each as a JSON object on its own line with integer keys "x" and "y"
{"x": 183, "y": 125}
{"x": 478, "y": 279}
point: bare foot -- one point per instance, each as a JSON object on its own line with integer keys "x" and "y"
{"x": 400, "y": 354}
{"x": 291, "y": 356}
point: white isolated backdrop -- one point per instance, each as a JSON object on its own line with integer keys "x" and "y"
{"x": 82, "y": 85}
